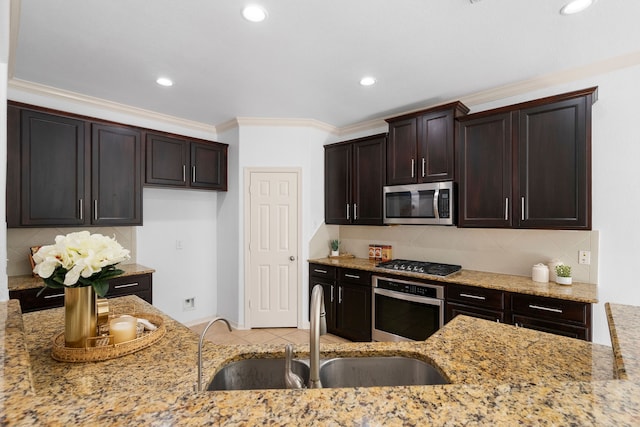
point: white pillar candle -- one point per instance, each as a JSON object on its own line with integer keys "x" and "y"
{"x": 123, "y": 329}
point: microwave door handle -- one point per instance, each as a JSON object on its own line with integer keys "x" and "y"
{"x": 436, "y": 195}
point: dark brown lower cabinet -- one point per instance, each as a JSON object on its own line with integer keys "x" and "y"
{"x": 138, "y": 284}
{"x": 347, "y": 299}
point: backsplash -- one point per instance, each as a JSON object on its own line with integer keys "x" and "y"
{"x": 19, "y": 240}
{"x": 494, "y": 250}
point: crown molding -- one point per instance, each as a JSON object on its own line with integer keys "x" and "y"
{"x": 276, "y": 122}
{"x": 368, "y": 126}
{"x": 64, "y": 95}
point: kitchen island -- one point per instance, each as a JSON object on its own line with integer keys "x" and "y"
{"x": 499, "y": 374}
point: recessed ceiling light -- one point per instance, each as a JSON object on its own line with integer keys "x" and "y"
{"x": 367, "y": 81}
{"x": 164, "y": 81}
{"x": 576, "y": 6}
{"x": 254, "y": 13}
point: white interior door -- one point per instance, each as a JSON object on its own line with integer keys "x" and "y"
{"x": 273, "y": 249}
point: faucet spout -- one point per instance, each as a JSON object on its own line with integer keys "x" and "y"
{"x": 318, "y": 327}
{"x": 214, "y": 320}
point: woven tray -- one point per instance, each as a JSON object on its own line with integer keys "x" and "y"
{"x": 105, "y": 351}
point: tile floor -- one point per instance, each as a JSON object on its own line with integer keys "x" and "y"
{"x": 219, "y": 334}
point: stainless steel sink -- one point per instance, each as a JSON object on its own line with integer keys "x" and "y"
{"x": 256, "y": 374}
{"x": 378, "y": 371}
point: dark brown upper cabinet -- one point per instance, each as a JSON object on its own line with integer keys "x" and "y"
{"x": 116, "y": 175}
{"x": 527, "y": 165}
{"x": 421, "y": 145}
{"x": 354, "y": 176}
{"x": 66, "y": 171}
{"x": 185, "y": 163}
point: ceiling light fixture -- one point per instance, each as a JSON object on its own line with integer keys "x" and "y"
{"x": 576, "y": 6}
{"x": 164, "y": 81}
{"x": 254, "y": 13}
{"x": 367, "y": 81}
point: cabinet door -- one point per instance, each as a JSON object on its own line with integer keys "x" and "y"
{"x": 354, "y": 312}
{"x": 166, "y": 160}
{"x": 435, "y": 147}
{"x": 208, "y": 166}
{"x": 484, "y": 171}
{"x": 368, "y": 179}
{"x": 116, "y": 175}
{"x": 554, "y": 188}
{"x": 330, "y": 301}
{"x": 337, "y": 184}
{"x": 564, "y": 329}
{"x": 52, "y": 170}
{"x": 402, "y": 152}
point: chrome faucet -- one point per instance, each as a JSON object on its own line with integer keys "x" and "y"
{"x": 214, "y": 320}
{"x": 318, "y": 327}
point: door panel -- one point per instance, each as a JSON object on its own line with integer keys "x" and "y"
{"x": 273, "y": 249}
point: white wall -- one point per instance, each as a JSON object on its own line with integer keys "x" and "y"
{"x": 287, "y": 147}
{"x": 187, "y": 217}
{"x": 4, "y": 61}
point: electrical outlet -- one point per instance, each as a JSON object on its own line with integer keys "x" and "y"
{"x": 189, "y": 304}
{"x": 179, "y": 244}
{"x": 584, "y": 257}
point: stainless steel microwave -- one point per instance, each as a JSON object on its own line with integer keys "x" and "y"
{"x": 429, "y": 203}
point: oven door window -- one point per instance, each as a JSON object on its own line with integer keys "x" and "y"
{"x": 410, "y": 204}
{"x": 409, "y": 319}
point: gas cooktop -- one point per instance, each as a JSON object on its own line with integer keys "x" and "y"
{"x": 432, "y": 268}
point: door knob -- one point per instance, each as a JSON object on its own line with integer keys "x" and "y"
{"x": 292, "y": 258}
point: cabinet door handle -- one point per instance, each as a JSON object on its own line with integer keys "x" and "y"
{"x": 81, "y": 209}
{"x": 339, "y": 294}
{"x": 478, "y": 297}
{"x": 95, "y": 209}
{"x": 539, "y": 307}
{"x": 317, "y": 270}
{"x": 184, "y": 173}
{"x": 347, "y": 210}
{"x": 351, "y": 276}
{"x": 424, "y": 163}
{"x": 413, "y": 166}
{"x": 522, "y": 211}
{"x": 53, "y": 296}
{"x": 506, "y": 209}
{"x": 331, "y": 293}
{"x": 193, "y": 173}
{"x": 355, "y": 211}
{"x": 127, "y": 285}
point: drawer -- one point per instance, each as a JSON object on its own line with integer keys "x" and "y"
{"x": 550, "y": 308}
{"x": 479, "y": 297}
{"x": 472, "y": 311}
{"x": 352, "y": 275}
{"x": 320, "y": 270}
{"x": 564, "y": 329}
{"x": 29, "y": 301}
{"x": 129, "y": 285}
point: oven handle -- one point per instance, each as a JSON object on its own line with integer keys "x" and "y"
{"x": 409, "y": 297}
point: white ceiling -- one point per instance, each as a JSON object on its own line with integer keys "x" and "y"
{"x": 306, "y": 59}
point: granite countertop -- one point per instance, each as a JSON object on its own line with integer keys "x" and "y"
{"x": 580, "y": 292}
{"x": 28, "y": 281}
{"x": 499, "y": 374}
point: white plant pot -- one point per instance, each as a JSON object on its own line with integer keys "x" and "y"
{"x": 563, "y": 280}
{"x": 335, "y": 253}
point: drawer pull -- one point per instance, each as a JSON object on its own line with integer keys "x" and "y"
{"x": 53, "y": 296}
{"x": 317, "y": 270}
{"x": 128, "y": 285}
{"x": 351, "y": 276}
{"x": 473, "y": 296}
{"x": 538, "y": 307}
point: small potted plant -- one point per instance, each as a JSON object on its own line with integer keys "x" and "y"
{"x": 335, "y": 247}
{"x": 563, "y": 274}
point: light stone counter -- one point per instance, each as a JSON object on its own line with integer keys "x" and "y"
{"x": 500, "y": 375}
{"x": 580, "y": 292}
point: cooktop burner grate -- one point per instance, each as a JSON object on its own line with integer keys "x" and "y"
{"x": 432, "y": 268}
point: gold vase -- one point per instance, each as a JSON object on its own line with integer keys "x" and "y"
{"x": 79, "y": 316}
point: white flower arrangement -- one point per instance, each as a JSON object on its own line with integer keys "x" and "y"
{"x": 80, "y": 259}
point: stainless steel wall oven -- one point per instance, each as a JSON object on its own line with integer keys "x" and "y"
{"x": 405, "y": 310}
